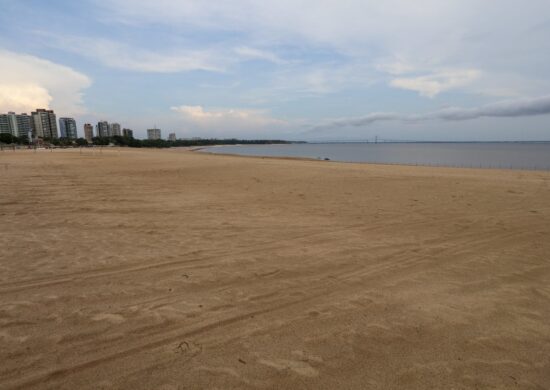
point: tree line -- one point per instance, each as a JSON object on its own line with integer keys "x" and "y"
{"x": 6, "y": 138}
{"x": 162, "y": 143}
{"x": 139, "y": 143}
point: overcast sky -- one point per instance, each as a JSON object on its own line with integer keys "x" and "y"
{"x": 300, "y": 69}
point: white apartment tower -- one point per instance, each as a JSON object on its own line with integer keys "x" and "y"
{"x": 45, "y": 125}
{"x": 102, "y": 129}
{"x": 24, "y": 125}
{"x": 5, "y": 127}
{"x": 153, "y": 134}
{"x": 19, "y": 125}
{"x": 114, "y": 129}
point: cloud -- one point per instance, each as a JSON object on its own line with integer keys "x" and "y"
{"x": 114, "y": 54}
{"x": 184, "y": 59}
{"x": 505, "y": 109}
{"x": 430, "y": 35}
{"x": 298, "y": 81}
{"x": 401, "y": 25}
{"x": 144, "y": 61}
{"x": 122, "y": 56}
{"x": 425, "y": 78}
{"x": 355, "y": 23}
{"x": 228, "y": 120}
{"x": 29, "y": 82}
{"x": 514, "y": 108}
{"x": 434, "y": 84}
{"x": 256, "y": 54}
{"x": 394, "y": 66}
{"x": 23, "y": 97}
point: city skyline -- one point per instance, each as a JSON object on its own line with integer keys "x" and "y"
{"x": 426, "y": 70}
{"x": 42, "y": 125}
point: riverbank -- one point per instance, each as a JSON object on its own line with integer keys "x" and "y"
{"x": 492, "y": 155}
{"x": 170, "y": 269}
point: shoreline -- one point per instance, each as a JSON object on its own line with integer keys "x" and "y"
{"x": 199, "y": 151}
{"x": 202, "y": 150}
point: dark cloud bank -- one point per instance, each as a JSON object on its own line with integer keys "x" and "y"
{"x": 515, "y": 108}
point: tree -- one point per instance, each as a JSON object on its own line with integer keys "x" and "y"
{"x": 118, "y": 140}
{"x": 81, "y": 142}
{"x": 100, "y": 141}
{"x": 64, "y": 141}
{"x": 6, "y": 138}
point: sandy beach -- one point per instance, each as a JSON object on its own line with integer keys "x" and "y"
{"x": 171, "y": 269}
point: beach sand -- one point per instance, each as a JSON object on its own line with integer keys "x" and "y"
{"x": 168, "y": 269}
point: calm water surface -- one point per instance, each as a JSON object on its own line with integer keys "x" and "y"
{"x": 478, "y": 155}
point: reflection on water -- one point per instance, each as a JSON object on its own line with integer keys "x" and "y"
{"x": 478, "y": 155}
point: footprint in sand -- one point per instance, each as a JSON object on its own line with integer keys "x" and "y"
{"x": 112, "y": 318}
{"x": 300, "y": 367}
{"x": 7, "y": 337}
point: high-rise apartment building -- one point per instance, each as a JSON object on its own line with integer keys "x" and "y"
{"x": 19, "y": 125}
{"x": 128, "y": 133}
{"x": 24, "y": 125}
{"x": 114, "y": 129}
{"x": 45, "y": 125}
{"x": 102, "y": 129}
{"x": 88, "y": 132}
{"x": 153, "y": 134}
{"x": 67, "y": 128}
{"x": 172, "y": 137}
{"x": 12, "y": 120}
{"x": 5, "y": 127}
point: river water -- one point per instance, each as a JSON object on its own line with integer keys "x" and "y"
{"x": 509, "y": 155}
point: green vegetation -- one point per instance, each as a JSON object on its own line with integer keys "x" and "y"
{"x": 161, "y": 143}
{"x": 137, "y": 143}
{"x": 81, "y": 142}
{"x": 66, "y": 142}
{"x": 11, "y": 139}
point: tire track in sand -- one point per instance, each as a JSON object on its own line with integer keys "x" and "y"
{"x": 165, "y": 338}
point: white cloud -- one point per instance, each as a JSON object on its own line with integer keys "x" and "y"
{"x": 433, "y": 84}
{"x": 506, "y": 37}
{"x": 23, "y": 97}
{"x": 199, "y": 115}
{"x": 257, "y": 54}
{"x": 288, "y": 20}
{"x": 121, "y": 56}
{"x": 430, "y": 80}
{"x": 183, "y": 59}
{"x": 228, "y": 120}
{"x": 297, "y": 81}
{"x": 420, "y": 25}
{"x": 30, "y": 82}
{"x": 186, "y": 58}
{"x": 394, "y": 66}
{"x": 143, "y": 61}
